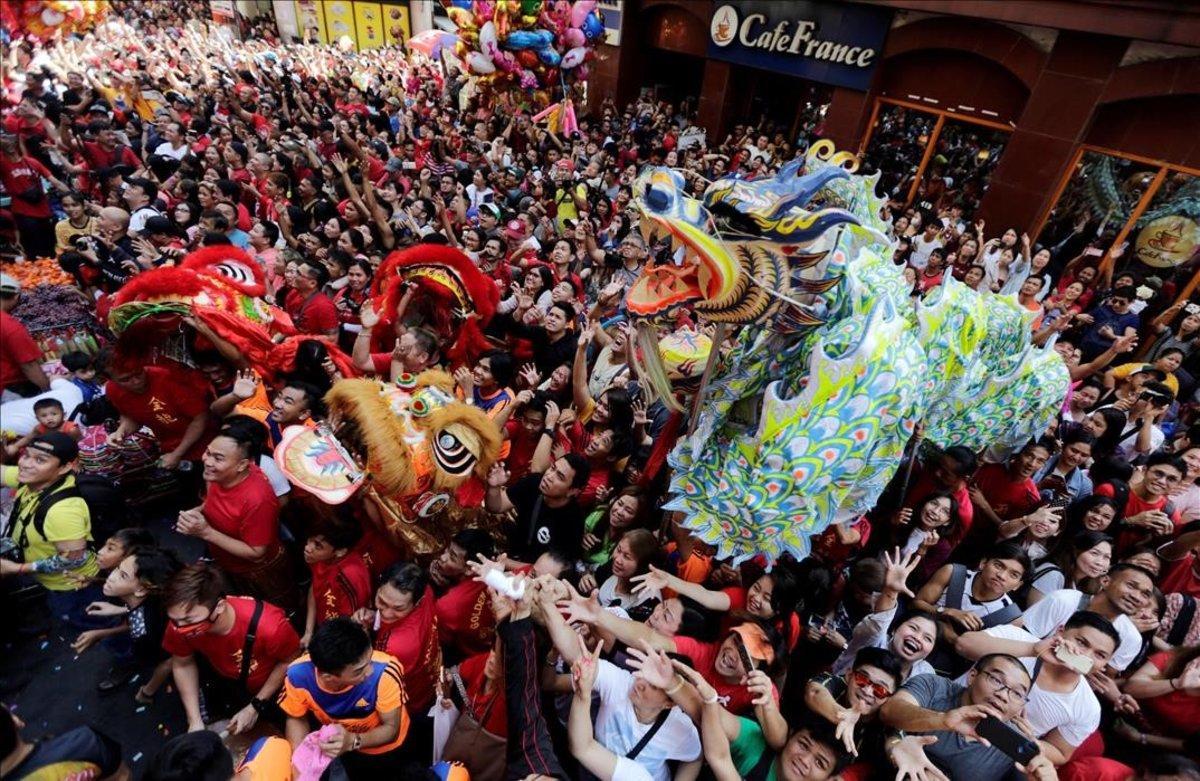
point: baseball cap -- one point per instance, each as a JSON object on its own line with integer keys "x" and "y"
{"x": 98, "y": 108}
{"x": 158, "y": 224}
{"x": 757, "y": 644}
{"x": 394, "y": 164}
{"x": 9, "y": 284}
{"x": 514, "y": 229}
{"x": 60, "y": 445}
{"x": 491, "y": 209}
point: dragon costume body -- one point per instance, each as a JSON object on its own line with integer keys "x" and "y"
{"x": 832, "y": 362}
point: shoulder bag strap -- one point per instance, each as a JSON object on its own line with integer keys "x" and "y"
{"x": 650, "y": 733}
{"x": 248, "y": 645}
{"x": 956, "y": 586}
{"x": 1183, "y": 621}
{"x": 1001, "y": 616}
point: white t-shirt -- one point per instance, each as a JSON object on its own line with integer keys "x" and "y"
{"x": 1075, "y": 714}
{"x": 921, "y": 249}
{"x": 629, "y": 770}
{"x": 137, "y": 220}
{"x": 618, "y": 730}
{"x": 1044, "y": 618}
{"x": 166, "y": 150}
{"x": 609, "y": 597}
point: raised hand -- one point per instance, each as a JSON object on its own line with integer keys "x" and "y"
{"x": 245, "y": 384}
{"x": 897, "y": 571}
{"x": 653, "y": 581}
{"x": 497, "y": 476}
{"x": 652, "y": 666}
{"x": 703, "y": 687}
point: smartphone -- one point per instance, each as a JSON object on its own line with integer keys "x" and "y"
{"x": 747, "y": 663}
{"x": 1007, "y": 740}
{"x": 1077, "y": 662}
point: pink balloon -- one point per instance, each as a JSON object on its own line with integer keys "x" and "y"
{"x": 580, "y": 11}
{"x": 574, "y": 37}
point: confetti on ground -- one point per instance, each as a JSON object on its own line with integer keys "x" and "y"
{"x": 137, "y": 757}
{"x": 45, "y": 644}
{"x": 134, "y": 679}
{"x": 57, "y": 667}
{"x": 79, "y": 707}
{"x": 139, "y": 710}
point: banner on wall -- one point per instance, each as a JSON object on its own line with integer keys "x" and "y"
{"x": 339, "y": 20}
{"x": 1168, "y": 241}
{"x": 396, "y": 26}
{"x": 368, "y": 25}
{"x": 837, "y": 44}
{"x": 311, "y": 21}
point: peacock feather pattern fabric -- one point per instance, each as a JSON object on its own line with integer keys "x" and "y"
{"x": 834, "y": 362}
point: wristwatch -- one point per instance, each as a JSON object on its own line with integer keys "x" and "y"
{"x": 258, "y": 705}
{"x": 941, "y": 609}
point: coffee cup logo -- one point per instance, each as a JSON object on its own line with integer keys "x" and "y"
{"x": 724, "y": 25}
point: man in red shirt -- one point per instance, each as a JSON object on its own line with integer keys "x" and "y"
{"x": 203, "y": 619}
{"x": 1004, "y": 491}
{"x": 239, "y": 520}
{"x": 404, "y": 625}
{"x": 22, "y": 177}
{"x": 466, "y": 625}
{"x": 1148, "y": 511}
{"x": 20, "y": 357}
{"x": 107, "y": 151}
{"x": 311, "y": 310}
{"x": 522, "y": 422}
{"x": 341, "y": 583}
{"x": 171, "y": 402}
{"x": 1181, "y": 563}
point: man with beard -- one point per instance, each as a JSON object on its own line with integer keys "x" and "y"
{"x": 466, "y": 625}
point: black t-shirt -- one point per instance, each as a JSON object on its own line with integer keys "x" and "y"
{"x": 83, "y": 748}
{"x": 540, "y": 527}
{"x": 147, "y": 624}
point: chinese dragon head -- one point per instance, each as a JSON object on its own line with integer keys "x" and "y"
{"x": 411, "y": 450}
{"x": 832, "y": 362}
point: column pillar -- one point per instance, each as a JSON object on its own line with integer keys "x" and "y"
{"x": 1055, "y": 120}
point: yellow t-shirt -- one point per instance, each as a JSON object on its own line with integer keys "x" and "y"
{"x": 64, "y": 231}
{"x": 67, "y": 520}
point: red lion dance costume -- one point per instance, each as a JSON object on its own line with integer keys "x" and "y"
{"x": 453, "y": 298}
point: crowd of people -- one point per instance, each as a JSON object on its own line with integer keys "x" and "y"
{"x": 1033, "y": 616}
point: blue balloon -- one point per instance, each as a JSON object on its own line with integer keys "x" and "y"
{"x": 549, "y": 56}
{"x": 461, "y": 4}
{"x": 592, "y": 26}
{"x": 527, "y": 39}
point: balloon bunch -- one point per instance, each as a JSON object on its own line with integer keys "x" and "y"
{"x": 41, "y": 20}
{"x": 524, "y": 50}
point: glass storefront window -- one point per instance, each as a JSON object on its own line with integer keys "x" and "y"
{"x": 964, "y": 157}
{"x": 897, "y": 144}
{"x": 1101, "y": 196}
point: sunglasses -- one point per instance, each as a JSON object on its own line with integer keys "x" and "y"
{"x": 863, "y": 681}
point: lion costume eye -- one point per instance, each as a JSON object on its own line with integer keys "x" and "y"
{"x": 452, "y": 456}
{"x": 236, "y": 272}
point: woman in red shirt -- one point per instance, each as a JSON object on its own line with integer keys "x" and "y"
{"x": 349, "y": 301}
{"x": 404, "y": 624}
{"x": 1168, "y": 688}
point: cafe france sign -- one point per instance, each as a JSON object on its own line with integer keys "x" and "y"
{"x": 834, "y": 43}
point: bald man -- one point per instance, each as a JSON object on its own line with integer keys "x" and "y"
{"x": 113, "y": 249}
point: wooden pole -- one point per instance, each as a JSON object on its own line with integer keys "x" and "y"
{"x": 710, "y": 366}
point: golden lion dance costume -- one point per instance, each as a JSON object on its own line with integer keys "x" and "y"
{"x": 410, "y": 453}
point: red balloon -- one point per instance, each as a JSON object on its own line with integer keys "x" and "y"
{"x": 528, "y": 58}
